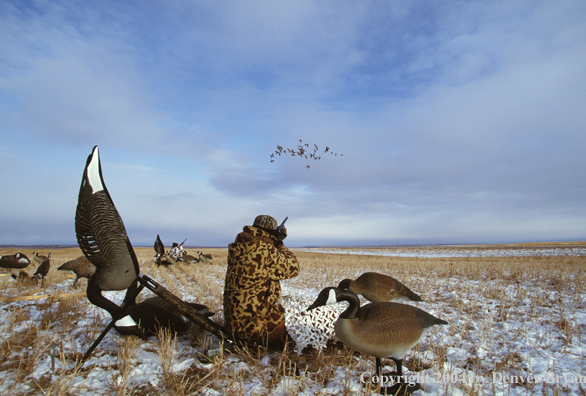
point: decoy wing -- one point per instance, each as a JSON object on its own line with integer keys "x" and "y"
{"x": 100, "y": 231}
{"x": 159, "y": 247}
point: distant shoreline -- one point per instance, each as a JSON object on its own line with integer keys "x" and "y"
{"x": 390, "y": 246}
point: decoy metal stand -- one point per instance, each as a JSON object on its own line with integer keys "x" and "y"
{"x": 183, "y": 307}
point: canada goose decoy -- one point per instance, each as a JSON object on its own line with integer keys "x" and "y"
{"x": 14, "y": 261}
{"x": 381, "y": 329}
{"x": 377, "y": 287}
{"x": 155, "y": 312}
{"x": 43, "y": 269}
{"x": 81, "y": 267}
{"x": 188, "y": 258}
{"x": 203, "y": 257}
{"x": 39, "y": 259}
{"x": 159, "y": 248}
{"x": 103, "y": 240}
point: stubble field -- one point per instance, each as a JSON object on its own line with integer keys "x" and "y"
{"x": 517, "y": 325}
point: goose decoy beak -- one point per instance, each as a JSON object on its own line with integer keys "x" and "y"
{"x": 327, "y": 296}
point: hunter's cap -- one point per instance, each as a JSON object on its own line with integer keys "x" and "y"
{"x": 265, "y": 221}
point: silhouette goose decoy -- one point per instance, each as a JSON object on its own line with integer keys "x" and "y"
{"x": 377, "y": 287}
{"x": 14, "y": 261}
{"x": 81, "y": 267}
{"x": 43, "y": 269}
{"x": 103, "y": 240}
{"x": 381, "y": 330}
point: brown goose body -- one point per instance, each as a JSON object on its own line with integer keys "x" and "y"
{"x": 43, "y": 270}
{"x": 188, "y": 258}
{"x": 376, "y": 287}
{"x": 204, "y": 257}
{"x": 14, "y": 261}
{"x": 385, "y": 329}
{"x": 80, "y": 266}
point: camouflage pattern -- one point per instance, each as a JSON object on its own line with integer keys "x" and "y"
{"x": 252, "y": 289}
{"x": 265, "y": 221}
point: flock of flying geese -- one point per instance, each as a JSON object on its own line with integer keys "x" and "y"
{"x": 303, "y": 150}
{"x": 384, "y": 328}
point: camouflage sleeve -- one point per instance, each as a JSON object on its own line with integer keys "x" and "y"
{"x": 286, "y": 265}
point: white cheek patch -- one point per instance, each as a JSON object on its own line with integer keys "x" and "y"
{"x": 93, "y": 172}
{"x": 332, "y": 298}
{"x": 126, "y": 321}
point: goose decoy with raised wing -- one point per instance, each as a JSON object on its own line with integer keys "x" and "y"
{"x": 103, "y": 240}
{"x": 14, "y": 261}
{"x": 159, "y": 248}
{"x": 376, "y": 287}
{"x": 43, "y": 269}
{"x": 81, "y": 267}
{"x": 382, "y": 329}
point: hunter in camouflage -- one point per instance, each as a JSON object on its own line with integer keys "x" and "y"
{"x": 257, "y": 261}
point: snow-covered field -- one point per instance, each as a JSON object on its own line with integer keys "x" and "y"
{"x": 451, "y": 251}
{"x": 517, "y": 326}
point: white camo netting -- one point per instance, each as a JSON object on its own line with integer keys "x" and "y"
{"x": 310, "y": 328}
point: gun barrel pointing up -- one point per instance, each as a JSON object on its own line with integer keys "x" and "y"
{"x": 282, "y": 224}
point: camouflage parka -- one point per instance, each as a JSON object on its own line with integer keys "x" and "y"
{"x": 252, "y": 289}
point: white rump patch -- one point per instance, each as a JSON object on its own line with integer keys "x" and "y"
{"x": 93, "y": 173}
{"x": 126, "y": 321}
{"x": 332, "y": 298}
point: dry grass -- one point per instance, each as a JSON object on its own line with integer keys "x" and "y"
{"x": 43, "y": 340}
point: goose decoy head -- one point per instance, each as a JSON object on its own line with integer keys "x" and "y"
{"x": 327, "y": 296}
{"x": 333, "y": 295}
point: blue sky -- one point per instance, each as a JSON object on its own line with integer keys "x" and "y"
{"x": 458, "y": 121}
